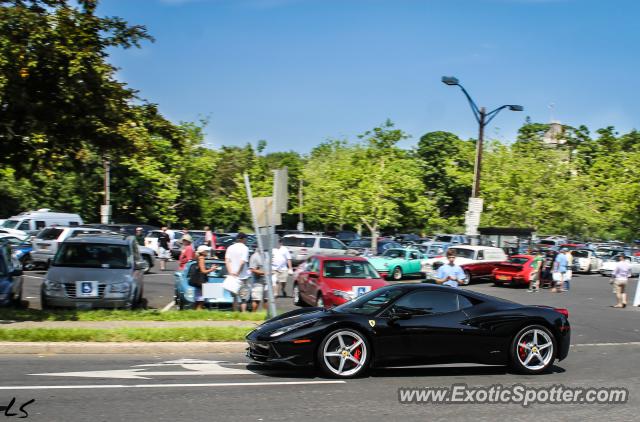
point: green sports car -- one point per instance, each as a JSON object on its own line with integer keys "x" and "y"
{"x": 396, "y": 263}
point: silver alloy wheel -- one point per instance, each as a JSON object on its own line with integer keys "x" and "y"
{"x": 397, "y": 273}
{"x": 534, "y": 349}
{"x": 345, "y": 353}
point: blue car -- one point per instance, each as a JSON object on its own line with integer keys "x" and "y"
{"x": 10, "y": 278}
{"x": 21, "y": 249}
{"x": 185, "y": 295}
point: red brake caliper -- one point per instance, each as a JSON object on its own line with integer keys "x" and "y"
{"x": 521, "y": 351}
{"x": 358, "y": 352}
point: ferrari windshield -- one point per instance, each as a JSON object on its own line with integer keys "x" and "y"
{"x": 349, "y": 269}
{"x": 372, "y": 302}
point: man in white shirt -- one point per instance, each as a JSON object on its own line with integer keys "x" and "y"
{"x": 236, "y": 260}
{"x": 282, "y": 267}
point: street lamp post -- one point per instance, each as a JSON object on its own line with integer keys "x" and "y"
{"x": 483, "y": 118}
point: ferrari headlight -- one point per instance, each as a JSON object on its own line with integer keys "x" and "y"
{"x": 292, "y": 327}
{"x": 343, "y": 294}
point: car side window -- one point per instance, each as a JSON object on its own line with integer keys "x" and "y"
{"x": 40, "y": 225}
{"x": 480, "y": 255}
{"x": 429, "y": 301}
{"x": 336, "y": 244}
{"x": 413, "y": 255}
{"x": 325, "y": 243}
{"x": 24, "y": 225}
{"x": 464, "y": 302}
{"x": 313, "y": 265}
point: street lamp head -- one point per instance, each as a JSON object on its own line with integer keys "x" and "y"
{"x": 516, "y": 107}
{"x": 450, "y": 80}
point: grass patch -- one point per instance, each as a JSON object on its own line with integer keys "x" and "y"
{"x": 126, "y": 334}
{"x": 128, "y": 315}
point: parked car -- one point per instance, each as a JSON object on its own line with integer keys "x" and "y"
{"x": 363, "y": 246}
{"x": 45, "y": 245}
{"x": 302, "y": 247}
{"x": 99, "y": 271}
{"x": 515, "y": 271}
{"x": 455, "y": 239}
{"x": 347, "y": 236}
{"x": 185, "y": 294}
{"x": 586, "y": 261}
{"x": 398, "y": 262}
{"x": 434, "y": 249}
{"x": 11, "y": 280}
{"x": 223, "y": 242}
{"x": 476, "y": 261}
{"x": 125, "y": 228}
{"x": 151, "y": 239}
{"x": 610, "y": 264}
{"x": 21, "y": 249}
{"x": 32, "y": 221}
{"x": 329, "y": 281}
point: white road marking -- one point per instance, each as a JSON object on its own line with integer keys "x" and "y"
{"x": 212, "y": 384}
{"x": 168, "y": 306}
{"x": 33, "y": 276}
{"x": 630, "y": 343}
{"x": 193, "y": 367}
{"x": 30, "y": 297}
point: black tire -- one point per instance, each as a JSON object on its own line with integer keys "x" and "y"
{"x": 27, "y": 263}
{"x": 467, "y": 278}
{"x": 44, "y": 305}
{"x": 518, "y": 354}
{"x": 180, "y": 302}
{"x": 17, "y": 300}
{"x": 396, "y": 274}
{"x": 295, "y": 294}
{"x": 147, "y": 259}
{"x": 363, "y": 352}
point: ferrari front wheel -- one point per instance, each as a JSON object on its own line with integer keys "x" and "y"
{"x": 344, "y": 353}
{"x": 533, "y": 350}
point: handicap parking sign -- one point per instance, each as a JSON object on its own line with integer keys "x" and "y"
{"x": 360, "y": 290}
{"x": 86, "y": 287}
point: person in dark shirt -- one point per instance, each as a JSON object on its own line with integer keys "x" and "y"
{"x": 140, "y": 236}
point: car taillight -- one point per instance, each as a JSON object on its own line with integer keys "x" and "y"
{"x": 439, "y": 256}
{"x": 302, "y": 252}
{"x": 563, "y": 311}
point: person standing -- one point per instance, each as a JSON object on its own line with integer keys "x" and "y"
{"x": 559, "y": 271}
{"x": 164, "y": 252}
{"x": 236, "y": 260}
{"x": 210, "y": 240}
{"x": 201, "y": 276}
{"x": 536, "y": 269}
{"x": 636, "y": 298}
{"x": 569, "y": 274}
{"x": 450, "y": 274}
{"x": 140, "y": 236}
{"x": 282, "y": 267}
{"x": 259, "y": 282}
{"x": 620, "y": 276}
{"x": 187, "y": 253}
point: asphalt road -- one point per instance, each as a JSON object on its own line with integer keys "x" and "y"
{"x": 605, "y": 353}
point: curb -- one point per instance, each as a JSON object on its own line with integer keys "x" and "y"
{"x": 88, "y": 348}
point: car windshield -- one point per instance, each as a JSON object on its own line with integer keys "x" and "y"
{"x": 547, "y": 242}
{"x": 360, "y": 244}
{"x": 463, "y": 253}
{"x": 10, "y": 224}
{"x": 49, "y": 234}
{"x": 304, "y": 242}
{"x": 394, "y": 253}
{"x": 93, "y": 255}
{"x": 372, "y": 302}
{"x": 349, "y": 269}
{"x": 443, "y": 238}
{"x": 517, "y": 260}
{"x": 436, "y": 250}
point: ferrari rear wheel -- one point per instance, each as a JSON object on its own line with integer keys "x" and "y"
{"x": 397, "y": 274}
{"x": 533, "y": 350}
{"x": 344, "y": 353}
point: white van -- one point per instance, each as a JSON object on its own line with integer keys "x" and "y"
{"x": 31, "y": 222}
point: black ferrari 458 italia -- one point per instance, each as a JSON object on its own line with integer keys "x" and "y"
{"x": 414, "y": 324}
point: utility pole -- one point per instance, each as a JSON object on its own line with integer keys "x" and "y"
{"x": 105, "y": 210}
{"x": 475, "y": 192}
{"x": 300, "y": 216}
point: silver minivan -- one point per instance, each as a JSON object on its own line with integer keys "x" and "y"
{"x": 101, "y": 271}
{"x": 303, "y": 246}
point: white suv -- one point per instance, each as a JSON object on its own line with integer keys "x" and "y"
{"x": 304, "y": 246}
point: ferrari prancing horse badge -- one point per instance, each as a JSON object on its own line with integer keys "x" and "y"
{"x": 372, "y": 323}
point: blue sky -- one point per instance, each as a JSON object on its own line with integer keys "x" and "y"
{"x": 297, "y": 72}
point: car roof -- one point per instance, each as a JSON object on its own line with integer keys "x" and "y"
{"x": 339, "y": 258}
{"x": 106, "y": 238}
{"x": 475, "y": 248}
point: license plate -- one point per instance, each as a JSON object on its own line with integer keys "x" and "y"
{"x": 360, "y": 290}
{"x": 86, "y": 289}
{"x": 503, "y": 277}
{"x": 83, "y": 306}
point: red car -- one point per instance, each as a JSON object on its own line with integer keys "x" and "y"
{"x": 515, "y": 271}
{"x": 328, "y": 281}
